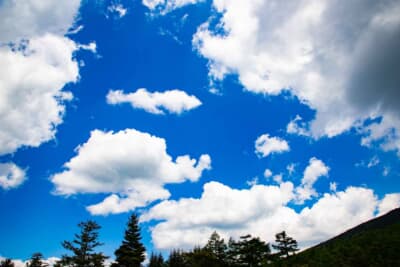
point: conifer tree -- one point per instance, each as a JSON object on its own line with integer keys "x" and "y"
{"x": 156, "y": 260}
{"x": 176, "y": 259}
{"x": 132, "y": 252}
{"x": 216, "y": 246}
{"x": 36, "y": 260}
{"x": 7, "y": 263}
{"x": 83, "y": 247}
{"x": 286, "y": 245}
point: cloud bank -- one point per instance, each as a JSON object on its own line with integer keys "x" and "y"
{"x": 262, "y": 210}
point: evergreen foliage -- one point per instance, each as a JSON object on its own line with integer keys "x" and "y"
{"x": 176, "y": 259}
{"x": 249, "y": 251}
{"x": 217, "y": 247}
{"x": 36, "y": 260}
{"x": 7, "y": 263}
{"x": 156, "y": 260}
{"x": 83, "y": 247}
{"x": 286, "y": 245}
{"x": 132, "y": 252}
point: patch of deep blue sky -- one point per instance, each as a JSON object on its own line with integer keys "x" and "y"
{"x": 156, "y": 53}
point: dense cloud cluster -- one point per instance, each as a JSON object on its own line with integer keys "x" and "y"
{"x": 262, "y": 210}
{"x": 345, "y": 67}
{"x": 36, "y": 62}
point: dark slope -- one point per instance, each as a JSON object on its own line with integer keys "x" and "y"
{"x": 373, "y": 243}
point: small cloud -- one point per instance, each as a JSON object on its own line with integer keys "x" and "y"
{"x": 11, "y": 176}
{"x": 314, "y": 170}
{"x": 75, "y": 30}
{"x": 252, "y": 182}
{"x": 373, "y": 162}
{"x": 386, "y": 171}
{"x": 297, "y": 126}
{"x": 278, "y": 178}
{"x": 267, "y": 173}
{"x": 333, "y": 186}
{"x": 117, "y": 9}
{"x": 173, "y": 101}
{"x": 92, "y": 47}
{"x": 266, "y": 145}
{"x": 291, "y": 168}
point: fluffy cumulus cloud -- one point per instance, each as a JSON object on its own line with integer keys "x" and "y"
{"x": 31, "y": 96}
{"x": 130, "y": 165}
{"x": 389, "y": 202}
{"x": 24, "y": 19}
{"x": 266, "y": 145}
{"x": 313, "y": 171}
{"x": 261, "y": 210}
{"x": 36, "y": 62}
{"x": 173, "y": 101}
{"x": 11, "y": 175}
{"x": 192, "y": 220}
{"x": 344, "y": 67}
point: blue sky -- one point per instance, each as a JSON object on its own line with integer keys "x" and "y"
{"x": 236, "y": 116}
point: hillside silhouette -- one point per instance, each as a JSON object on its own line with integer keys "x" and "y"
{"x": 372, "y": 243}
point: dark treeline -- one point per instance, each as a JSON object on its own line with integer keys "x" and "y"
{"x": 373, "y": 243}
{"x": 83, "y": 251}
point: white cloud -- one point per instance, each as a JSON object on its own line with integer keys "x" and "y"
{"x": 20, "y": 263}
{"x": 11, "y": 176}
{"x": 165, "y": 6}
{"x": 25, "y": 19}
{"x": 333, "y": 186}
{"x": 389, "y": 202}
{"x": 313, "y": 171}
{"x": 291, "y": 168}
{"x": 118, "y": 9}
{"x": 232, "y": 212}
{"x": 266, "y": 145}
{"x": 191, "y": 220}
{"x": 386, "y": 171}
{"x": 373, "y": 162}
{"x": 278, "y": 178}
{"x": 267, "y": 173}
{"x": 133, "y": 166}
{"x": 173, "y": 101}
{"x": 341, "y": 65}
{"x": 31, "y": 96}
{"x": 297, "y": 126}
{"x": 252, "y": 181}
{"x": 92, "y": 47}
{"x": 36, "y": 62}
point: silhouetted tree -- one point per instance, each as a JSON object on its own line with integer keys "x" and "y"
{"x": 83, "y": 247}
{"x": 7, "y": 263}
{"x": 216, "y": 246}
{"x": 36, "y": 260}
{"x": 285, "y": 244}
{"x": 248, "y": 251}
{"x": 176, "y": 259}
{"x": 132, "y": 252}
{"x": 156, "y": 260}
